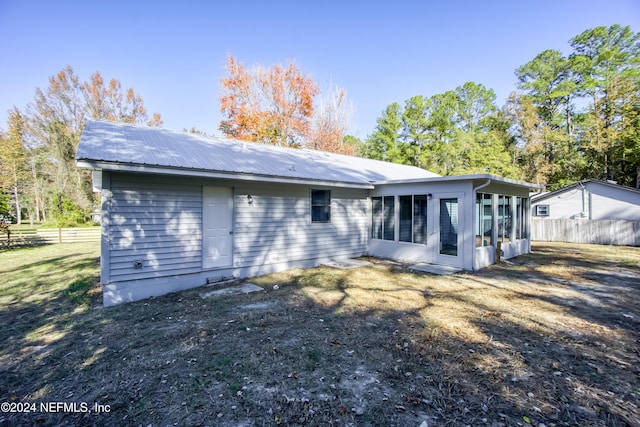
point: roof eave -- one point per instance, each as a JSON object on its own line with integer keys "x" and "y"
{"x": 464, "y": 178}
{"x": 583, "y": 183}
{"x": 151, "y": 169}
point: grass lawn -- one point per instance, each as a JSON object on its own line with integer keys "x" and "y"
{"x": 547, "y": 339}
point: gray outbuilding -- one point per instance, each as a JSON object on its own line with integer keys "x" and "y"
{"x": 589, "y": 199}
{"x": 588, "y": 211}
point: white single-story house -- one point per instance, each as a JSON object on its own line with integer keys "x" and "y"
{"x": 179, "y": 210}
{"x": 588, "y": 199}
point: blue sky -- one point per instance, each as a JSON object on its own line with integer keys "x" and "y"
{"x": 173, "y": 53}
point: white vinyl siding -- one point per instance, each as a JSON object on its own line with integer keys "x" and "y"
{"x": 155, "y": 222}
{"x": 277, "y": 227}
{"x": 159, "y": 221}
{"x": 591, "y": 200}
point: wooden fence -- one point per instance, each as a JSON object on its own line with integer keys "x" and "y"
{"x": 601, "y": 232}
{"x": 43, "y": 236}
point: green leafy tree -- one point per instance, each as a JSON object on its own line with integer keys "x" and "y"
{"x": 560, "y": 143}
{"x": 487, "y": 154}
{"x": 5, "y": 217}
{"x": 5, "y": 208}
{"x": 13, "y": 161}
{"x": 358, "y": 146}
{"x": 441, "y": 154}
{"x": 483, "y": 143}
{"x": 548, "y": 80}
{"x": 549, "y": 83}
{"x": 454, "y": 132}
{"x": 475, "y": 106}
{"x": 606, "y": 61}
{"x": 415, "y": 130}
{"x": 383, "y": 144}
{"x": 528, "y": 132}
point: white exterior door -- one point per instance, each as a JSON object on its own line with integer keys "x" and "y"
{"x": 448, "y": 229}
{"x": 217, "y": 245}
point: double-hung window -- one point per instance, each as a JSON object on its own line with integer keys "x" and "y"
{"x": 320, "y": 205}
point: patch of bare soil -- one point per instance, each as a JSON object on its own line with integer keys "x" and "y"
{"x": 547, "y": 339}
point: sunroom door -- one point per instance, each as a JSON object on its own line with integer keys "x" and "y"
{"x": 448, "y": 230}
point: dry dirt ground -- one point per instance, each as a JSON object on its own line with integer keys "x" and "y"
{"x": 547, "y": 339}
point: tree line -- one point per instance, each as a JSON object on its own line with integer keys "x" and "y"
{"x": 38, "y": 176}
{"x": 572, "y": 117}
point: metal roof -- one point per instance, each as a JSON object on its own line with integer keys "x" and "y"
{"x": 117, "y": 146}
{"x": 583, "y": 183}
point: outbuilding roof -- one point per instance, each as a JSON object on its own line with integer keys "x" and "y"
{"x": 583, "y": 183}
{"x": 117, "y": 146}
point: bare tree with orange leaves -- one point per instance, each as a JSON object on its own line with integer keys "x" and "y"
{"x": 268, "y": 105}
{"x": 112, "y": 104}
{"x": 53, "y": 123}
{"x": 330, "y": 124}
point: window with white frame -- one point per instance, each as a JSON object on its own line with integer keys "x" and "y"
{"x": 389, "y": 220}
{"x": 420, "y": 219}
{"x": 522, "y": 218}
{"x": 484, "y": 219}
{"x": 377, "y": 218}
{"x": 406, "y": 219}
{"x": 383, "y": 221}
{"x": 412, "y": 218}
{"x": 505, "y": 219}
{"x": 542, "y": 210}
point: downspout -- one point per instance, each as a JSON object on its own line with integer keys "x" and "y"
{"x": 537, "y": 193}
{"x": 493, "y": 228}
{"x": 540, "y": 190}
{"x": 586, "y": 205}
{"x": 481, "y": 186}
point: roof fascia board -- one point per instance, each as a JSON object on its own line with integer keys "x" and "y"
{"x": 464, "y": 178}
{"x": 108, "y": 166}
{"x": 556, "y": 192}
{"x": 610, "y": 184}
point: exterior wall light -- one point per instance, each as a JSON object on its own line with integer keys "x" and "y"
{"x": 250, "y": 199}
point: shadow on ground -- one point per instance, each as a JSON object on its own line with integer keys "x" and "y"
{"x": 546, "y": 339}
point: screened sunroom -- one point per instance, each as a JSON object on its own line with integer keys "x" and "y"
{"x": 461, "y": 221}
